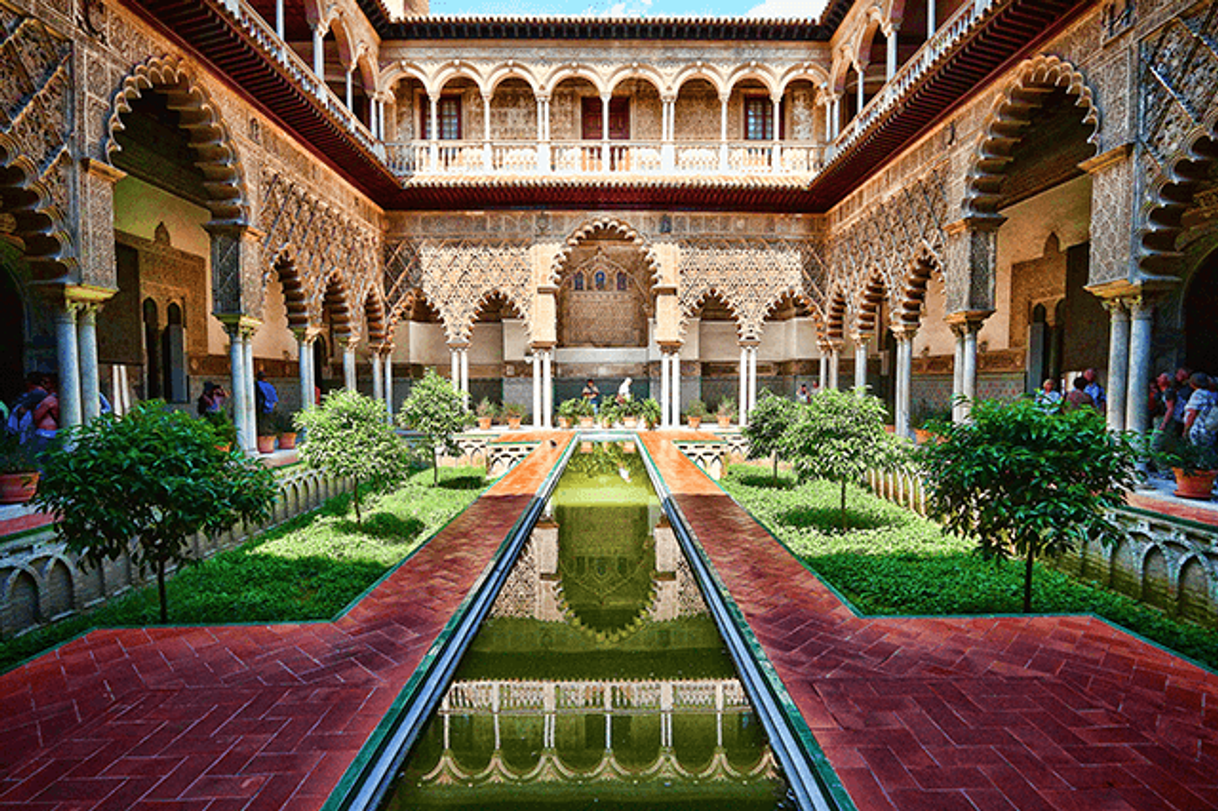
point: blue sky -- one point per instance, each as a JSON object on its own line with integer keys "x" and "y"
{"x": 631, "y": 8}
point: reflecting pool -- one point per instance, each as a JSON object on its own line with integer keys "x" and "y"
{"x": 599, "y": 680}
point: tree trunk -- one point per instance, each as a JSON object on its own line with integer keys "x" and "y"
{"x": 843, "y": 505}
{"x": 435, "y": 467}
{"x": 1027, "y": 584}
{"x": 775, "y": 467}
{"x": 160, "y": 590}
{"x": 355, "y": 499}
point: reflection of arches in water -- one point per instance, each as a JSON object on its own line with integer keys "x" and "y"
{"x": 1200, "y": 305}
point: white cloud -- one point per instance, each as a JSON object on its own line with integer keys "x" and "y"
{"x": 788, "y": 9}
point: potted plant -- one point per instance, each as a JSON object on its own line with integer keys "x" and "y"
{"x": 923, "y": 415}
{"x": 18, "y": 470}
{"x": 576, "y": 409}
{"x": 695, "y": 412}
{"x": 485, "y": 411}
{"x": 649, "y": 412}
{"x": 609, "y": 414}
{"x": 226, "y": 432}
{"x": 1194, "y": 466}
{"x": 285, "y": 428}
{"x": 727, "y": 407}
{"x": 266, "y": 432}
{"x": 629, "y": 411}
{"x": 513, "y": 413}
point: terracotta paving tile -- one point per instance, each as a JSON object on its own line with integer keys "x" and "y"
{"x": 1020, "y": 713}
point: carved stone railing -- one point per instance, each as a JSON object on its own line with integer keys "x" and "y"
{"x": 913, "y": 71}
{"x": 41, "y": 582}
{"x": 651, "y": 158}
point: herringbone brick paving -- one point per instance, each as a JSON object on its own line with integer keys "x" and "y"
{"x": 979, "y": 714}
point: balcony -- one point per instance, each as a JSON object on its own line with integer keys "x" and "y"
{"x": 436, "y": 160}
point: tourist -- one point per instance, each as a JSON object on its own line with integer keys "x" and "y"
{"x": 265, "y": 394}
{"x": 591, "y": 393}
{"x": 1095, "y": 391}
{"x": 21, "y": 418}
{"x": 803, "y": 396}
{"x": 1164, "y": 411}
{"x": 211, "y": 401}
{"x": 1183, "y": 392}
{"x": 1078, "y": 398}
{"x": 623, "y": 391}
{"x": 1200, "y": 403}
{"x": 1048, "y": 397}
{"x": 46, "y": 415}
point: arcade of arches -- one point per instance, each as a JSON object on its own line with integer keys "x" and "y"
{"x": 183, "y": 235}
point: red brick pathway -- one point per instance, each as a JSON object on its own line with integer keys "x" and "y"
{"x": 238, "y": 717}
{"x": 970, "y": 714}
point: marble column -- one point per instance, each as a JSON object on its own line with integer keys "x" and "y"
{"x": 958, "y": 410}
{"x": 236, "y": 360}
{"x": 547, "y": 388}
{"x": 536, "y": 388}
{"x": 823, "y": 373}
{"x": 388, "y": 370}
{"x": 454, "y": 370}
{"x": 349, "y": 373}
{"x": 319, "y": 53}
{"x": 86, "y": 339}
{"x": 932, "y": 24}
{"x": 1118, "y": 363}
{"x": 247, "y": 380}
{"x": 860, "y": 364}
{"x": 1141, "y": 313}
{"x": 861, "y": 90}
{"x": 752, "y": 377}
{"x": 968, "y": 381}
{"x": 605, "y": 99}
{"x": 834, "y": 355}
{"x": 665, "y": 392}
{"x": 378, "y": 383}
{"x": 904, "y": 380}
{"x": 304, "y": 358}
{"x": 67, "y": 354}
{"x": 723, "y": 101}
{"x": 350, "y": 88}
{"x": 279, "y": 29}
{"x": 465, "y": 376}
{"x": 743, "y": 403}
{"x": 891, "y": 51}
{"x": 675, "y": 379}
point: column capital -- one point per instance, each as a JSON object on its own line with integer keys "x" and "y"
{"x": 670, "y": 346}
{"x": 903, "y": 332}
{"x": 974, "y": 222}
{"x": 541, "y": 346}
{"x": 967, "y": 320}
{"x": 831, "y": 345}
{"x": 1118, "y": 308}
{"x": 234, "y": 322}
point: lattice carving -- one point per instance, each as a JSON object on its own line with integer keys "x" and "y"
{"x": 35, "y": 126}
{"x": 460, "y": 275}
{"x": 750, "y": 275}
{"x": 320, "y": 243}
{"x": 1178, "y": 118}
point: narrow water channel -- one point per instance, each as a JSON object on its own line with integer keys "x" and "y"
{"x": 599, "y": 679}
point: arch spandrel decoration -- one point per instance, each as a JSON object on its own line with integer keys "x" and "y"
{"x": 750, "y": 275}
{"x": 1177, "y": 129}
{"x": 318, "y": 240}
{"x": 457, "y": 275}
{"x": 610, "y": 225}
{"x": 35, "y": 128}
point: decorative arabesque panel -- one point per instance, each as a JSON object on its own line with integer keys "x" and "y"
{"x": 36, "y": 123}
{"x": 459, "y": 275}
{"x": 750, "y": 275}
{"x": 602, "y": 304}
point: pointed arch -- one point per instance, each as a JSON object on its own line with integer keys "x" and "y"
{"x": 207, "y": 134}
{"x": 333, "y": 296}
{"x": 1034, "y": 79}
{"x": 283, "y": 267}
{"x": 614, "y": 226}
{"x": 866, "y": 305}
{"x": 909, "y": 297}
{"x": 374, "y": 318}
{"x": 711, "y": 293}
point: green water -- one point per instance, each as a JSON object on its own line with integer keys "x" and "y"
{"x": 599, "y": 680}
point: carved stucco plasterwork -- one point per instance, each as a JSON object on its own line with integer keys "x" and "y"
{"x": 749, "y": 275}
{"x": 318, "y": 240}
{"x": 35, "y": 126}
{"x": 457, "y": 277}
{"x": 1112, "y": 213}
{"x": 1179, "y": 110}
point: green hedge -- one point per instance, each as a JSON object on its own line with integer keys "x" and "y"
{"x": 896, "y": 562}
{"x": 309, "y": 568}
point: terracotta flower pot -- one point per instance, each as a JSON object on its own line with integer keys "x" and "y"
{"x": 266, "y": 444}
{"x": 724, "y": 421}
{"x": 18, "y": 488}
{"x": 287, "y": 441}
{"x": 513, "y": 423}
{"x": 694, "y": 422}
{"x": 484, "y": 423}
{"x": 563, "y": 422}
{"x": 630, "y": 422}
{"x": 587, "y": 422}
{"x": 1195, "y": 483}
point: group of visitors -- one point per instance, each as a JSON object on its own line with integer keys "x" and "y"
{"x": 1085, "y": 392}
{"x": 592, "y": 393}
{"x": 1184, "y": 407}
{"x": 33, "y": 417}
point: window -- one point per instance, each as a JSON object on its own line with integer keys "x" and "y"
{"x": 621, "y": 281}
{"x": 758, "y": 118}
{"x": 449, "y": 109}
{"x": 600, "y": 280}
{"x": 577, "y": 281}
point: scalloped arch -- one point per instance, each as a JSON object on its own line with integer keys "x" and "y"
{"x": 1171, "y": 194}
{"x": 712, "y": 291}
{"x": 39, "y": 224}
{"x": 613, "y": 225}
{"x": 206, "y": 132}
{"x": 1008, "y": 120}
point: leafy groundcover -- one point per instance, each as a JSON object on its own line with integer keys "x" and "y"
{"x": 309, "y": 568}
{"x": 892, "y": 561}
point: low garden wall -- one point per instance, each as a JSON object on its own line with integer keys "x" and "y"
{"x": 41, "y": 582}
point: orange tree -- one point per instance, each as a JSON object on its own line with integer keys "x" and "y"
{"x": 144, "y": 483}
{"x": 1026, "y": 481}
